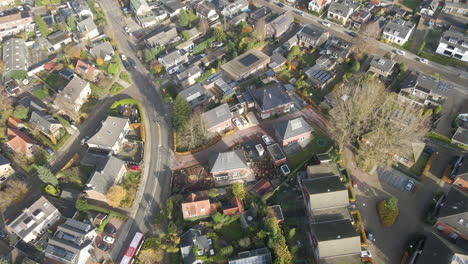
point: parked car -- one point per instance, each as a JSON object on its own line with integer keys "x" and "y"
{"x": 109, "y": 239}
{"x": 110, "y": 229}
{"x": 325, "y": 23}
{"x": 236, "y": 122}
{"x": 353, "y": 34}
{"x": 299, "y": 12}
{"x": 123, "y": 57}
{"x": 280, "y": 4}
{"x": 103, "y": 247}
{"x": 132, "y": 63}
{"x": 409, "y": 185}
{"x": 425, "y": 61}
{"x": 134, "y": 167}
{"x": 400, "y": 52}
{"x": 266, "y": 139}
{"x": 243, "y": 121}
{"x": 370, "y": 235}
{"x": 3, "y": 235}
{"x": 127, "y": 29}
{"x": 366, "y": 254}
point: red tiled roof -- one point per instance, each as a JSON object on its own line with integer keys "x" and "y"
{"x": 86, "y": 69}
{"x": 236, "y": 208}
{"x": 18, "y": 141}
{"x": 196, "y": 204}
{"x": 14, "y": 122}
{"x": 321, "y": 2}
{"x": 261, "y": 187}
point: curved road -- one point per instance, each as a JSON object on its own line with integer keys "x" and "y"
{"x": 158, "y": 148}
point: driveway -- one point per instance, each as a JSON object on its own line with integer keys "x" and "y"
{"x": 390, "y": 242}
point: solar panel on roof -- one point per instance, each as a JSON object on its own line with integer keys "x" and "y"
{"x": 248, "y": 60}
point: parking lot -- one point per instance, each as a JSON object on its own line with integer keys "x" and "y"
{"x": 393, "y": 178}
{"x": 100, "y": 254}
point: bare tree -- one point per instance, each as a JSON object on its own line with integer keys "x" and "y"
{"x": 5, "y": 101}
{"x": 12, "y": 193}
{"x": 259, "y": 30}
{"x": 203, "y": 26}
{"x": 2, "y": 66}
{"x": 151, "y": 256}
{"x": 366, "y": 112}
{"x": 193, "y": 134}
{"x": 367, "y": 42}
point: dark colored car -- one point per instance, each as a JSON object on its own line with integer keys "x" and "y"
{"x": 132, "y": 63}
{"x": 370, "y": 235}
{"x": 110, "y": 229}
{"x": 103, "y": 247}
{"x": 280, "y": 4}
{"x": 126, "y": 64}
{"x": 353, "y": 34}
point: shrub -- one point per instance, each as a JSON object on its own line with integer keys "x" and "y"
{"x": 125, "y": 77}
{"x": 388, "y": 211}
{"x": 244, "y": 242}
{"x": 116, "y": 88}
{"x": 226, "y": 251}
{"x": 50, "y": 189}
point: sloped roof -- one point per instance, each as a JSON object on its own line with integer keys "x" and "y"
{"x": 73, "y": 89}
{"x": 3, "y": 160}
{"x": 438, "y": 250}
{"x": 86, "y": 25}
{"x": 42, "y": 121}
{"x": 461, "y": 136}
{"x": 18, "y": 140}
{"x": 381, "y": 63}
{"x": 102, "y": 181}
{"x": 282, "y": 22}
{"x": 230, "y": 160}
{"x": 110, "y": 131}
{"x": 102, "y": 49}
{"x": 162, "y": 36}
{"x": 86, "y": 69}
{"x": 196, "y": 204}
{"x": 270, "y": 97}
{"x": 454, "y": 210}
{"x": 335, "y": 234}
{"x": 217, "y": 115}
{"x": 292, "y": 128}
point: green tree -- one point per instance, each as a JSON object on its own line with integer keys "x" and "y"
{"x": 71, "y": 22}
{"x": 42, "y": 26}
{"x": 226, "y": 251}
{"x": 46, "y": 175}
{"x": 301, "y": 83}
{"x": 238, "y": 190}
{"x": 184, "y": 19}
{"x": 295, "y": 50}
{"x": 388, "y": 211}
{"x": 356, "y": 66}
{"x": 219, "y": 218}
{"x": 402, "y": 67}
{"x": 4, "y": 260}
{"x": 113, "y": 68}
{"x": 186, "y": 34}
{"x": 438, "y": 109}
{"x": 292, "y": 233}
{"x": 219, "y": 34}
{"x": 21, "y": 112}
{"x": 244, "y": 242}
{"x": 182, "y": 113}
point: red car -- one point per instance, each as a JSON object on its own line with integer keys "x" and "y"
{"x": 134, "y": 168}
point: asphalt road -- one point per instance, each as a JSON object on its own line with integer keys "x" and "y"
{"x": 458, "y": 77}
{"x": 157, "y": 183}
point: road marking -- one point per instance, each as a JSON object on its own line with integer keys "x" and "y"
{"x": 159, "y": 132}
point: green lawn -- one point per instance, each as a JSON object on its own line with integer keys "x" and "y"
{"x": 413, "y": 4}
{"x": 42, "y": 92}
{"x": 315, "y": 148}
{"x": 232, "y": 232}
{"x": 418, "y": 167}
{"x": 444, "y": 60}
{"x": 116, "y": 88}
{"x": 54, "y": 81}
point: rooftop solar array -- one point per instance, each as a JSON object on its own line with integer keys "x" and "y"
{"x": 248, "y": 60}
{"x": 321, "y": 76}
{"x": 443, "y": 87}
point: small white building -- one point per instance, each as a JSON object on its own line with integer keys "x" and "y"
{"x": 398, "y": 31}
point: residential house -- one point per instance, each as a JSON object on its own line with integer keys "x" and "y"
{"x": 460, "y": 136}
{"x": 424, "y": 90}
{"x": 223, "y": 87}
{"x": 193, "y": 33}
{"x": 58, "y": 40}
{"x": 34, "y": 220}
{"x": 325, "y": 196}
{"x": 45, "y": 123}
{"x": 230, "y": 167}
{"x": 218, "y": 119}
{"x": 452, "y": 216}
{"x": 271, "y": 100}
{"x": 189, "y": 76}
{"x": 13, "y": 122}
{"x": 312, "y": 36}
{"x": 5, "y": 168}
{"x": 436, "y": 250}
{"x": 20, "y": 143}
{"x": 192, "y": 239}
{"x": 213, "y": 57}
{"x": 459, "y": 173}
{"x": 161, "y": 37}
{"x": 15, "y": 57}
{"x": 72, "y": 243}
{"x": 429, "y": 7}
{"x": 188, "y": 46}
{"x": 106, "y": 175}
{"x": 336, "y": 48}
{"x": 237, "y": 19}
{"x": 73, "y": 96}
{"x": 11, "y": 86}
{"x": 337, "y": 241}
{"x": 67, "y": 74}
{"x": 398, "y": 31}
{"x": 173, "y": 60}
{"x": 293, "y": 131}
{"x": 206, "y": 11}
{"x": 454, "y": 43}
{"x": 279, "y": 26}
{"x": 321, "y": 74}
{"x": 140, "y": 7}
{"x": 16, "y": 23}
{"x": 260, "y": 256}
{"x": 173, "y": 7}
{"x": 318, "y": 5}
{"x": 103, "y": 50}
{"x": 276, "y": 154}
{"x": 197, "y": 95}
{"x": 231, "y": 8}
{"x": 339, "y": 12}
{"x": 277, "y": 60}
{"x": 263, "y": 12}
{"x": 456, "y": 7}
{"x": 246, "y": 64}
{"x": 288, "y": 44}
{"x": 87, "y": 71}
{"x": 197, "y": 205}
{"x": 111, "y": 135}
{"x": 261, "y": 187}
{"x": 152, "y": 18}
{"x": 81, "y": 8}
{"x": 31, "y": 102}
{"x": 7, "y": 2}
{"x": 381, "y": 66}
{"x": 233, "y": 207}
{"x": 359, "y": 18}
{"x": 87, "y": 28}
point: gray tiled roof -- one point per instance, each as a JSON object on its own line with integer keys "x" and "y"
{"x": 333, "y": 230}
{"x": 102, "y": 49}
{"x": 436, "y": 250}
{"x": 230, "y": 160}
{"x": 15, "y": 55}
{"x": 324, "y": 184}
{"x": 270, "y": 97}
{"x": 196, "y": 94}
{"x": 42, "y": 121}
{"x": 86, "y": 25}
{"x": 399, "y": 28}
{"x": 291, "y": 128}
{"x": 3, "y": 160}
{"x": 454, "y": 210}
{"x": 382, "y": 63}
{"x": 102, "y": 181}
{"x": 73, "y": 89}
{"x": 217, "y": 115}
{"x": 283, "y": 22}
{"x": 162, "y": 36}
{"x": 187, "y": 243}
{"x": 109, "y": 133}
{"x": 456, "y": 39}
{"x": 310, "y": 33}
{"x": 57, "y": 37}
{"x": 341, "y": 9}
{"x": 425, "y": 83}
{"x": 192, "y": 70}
